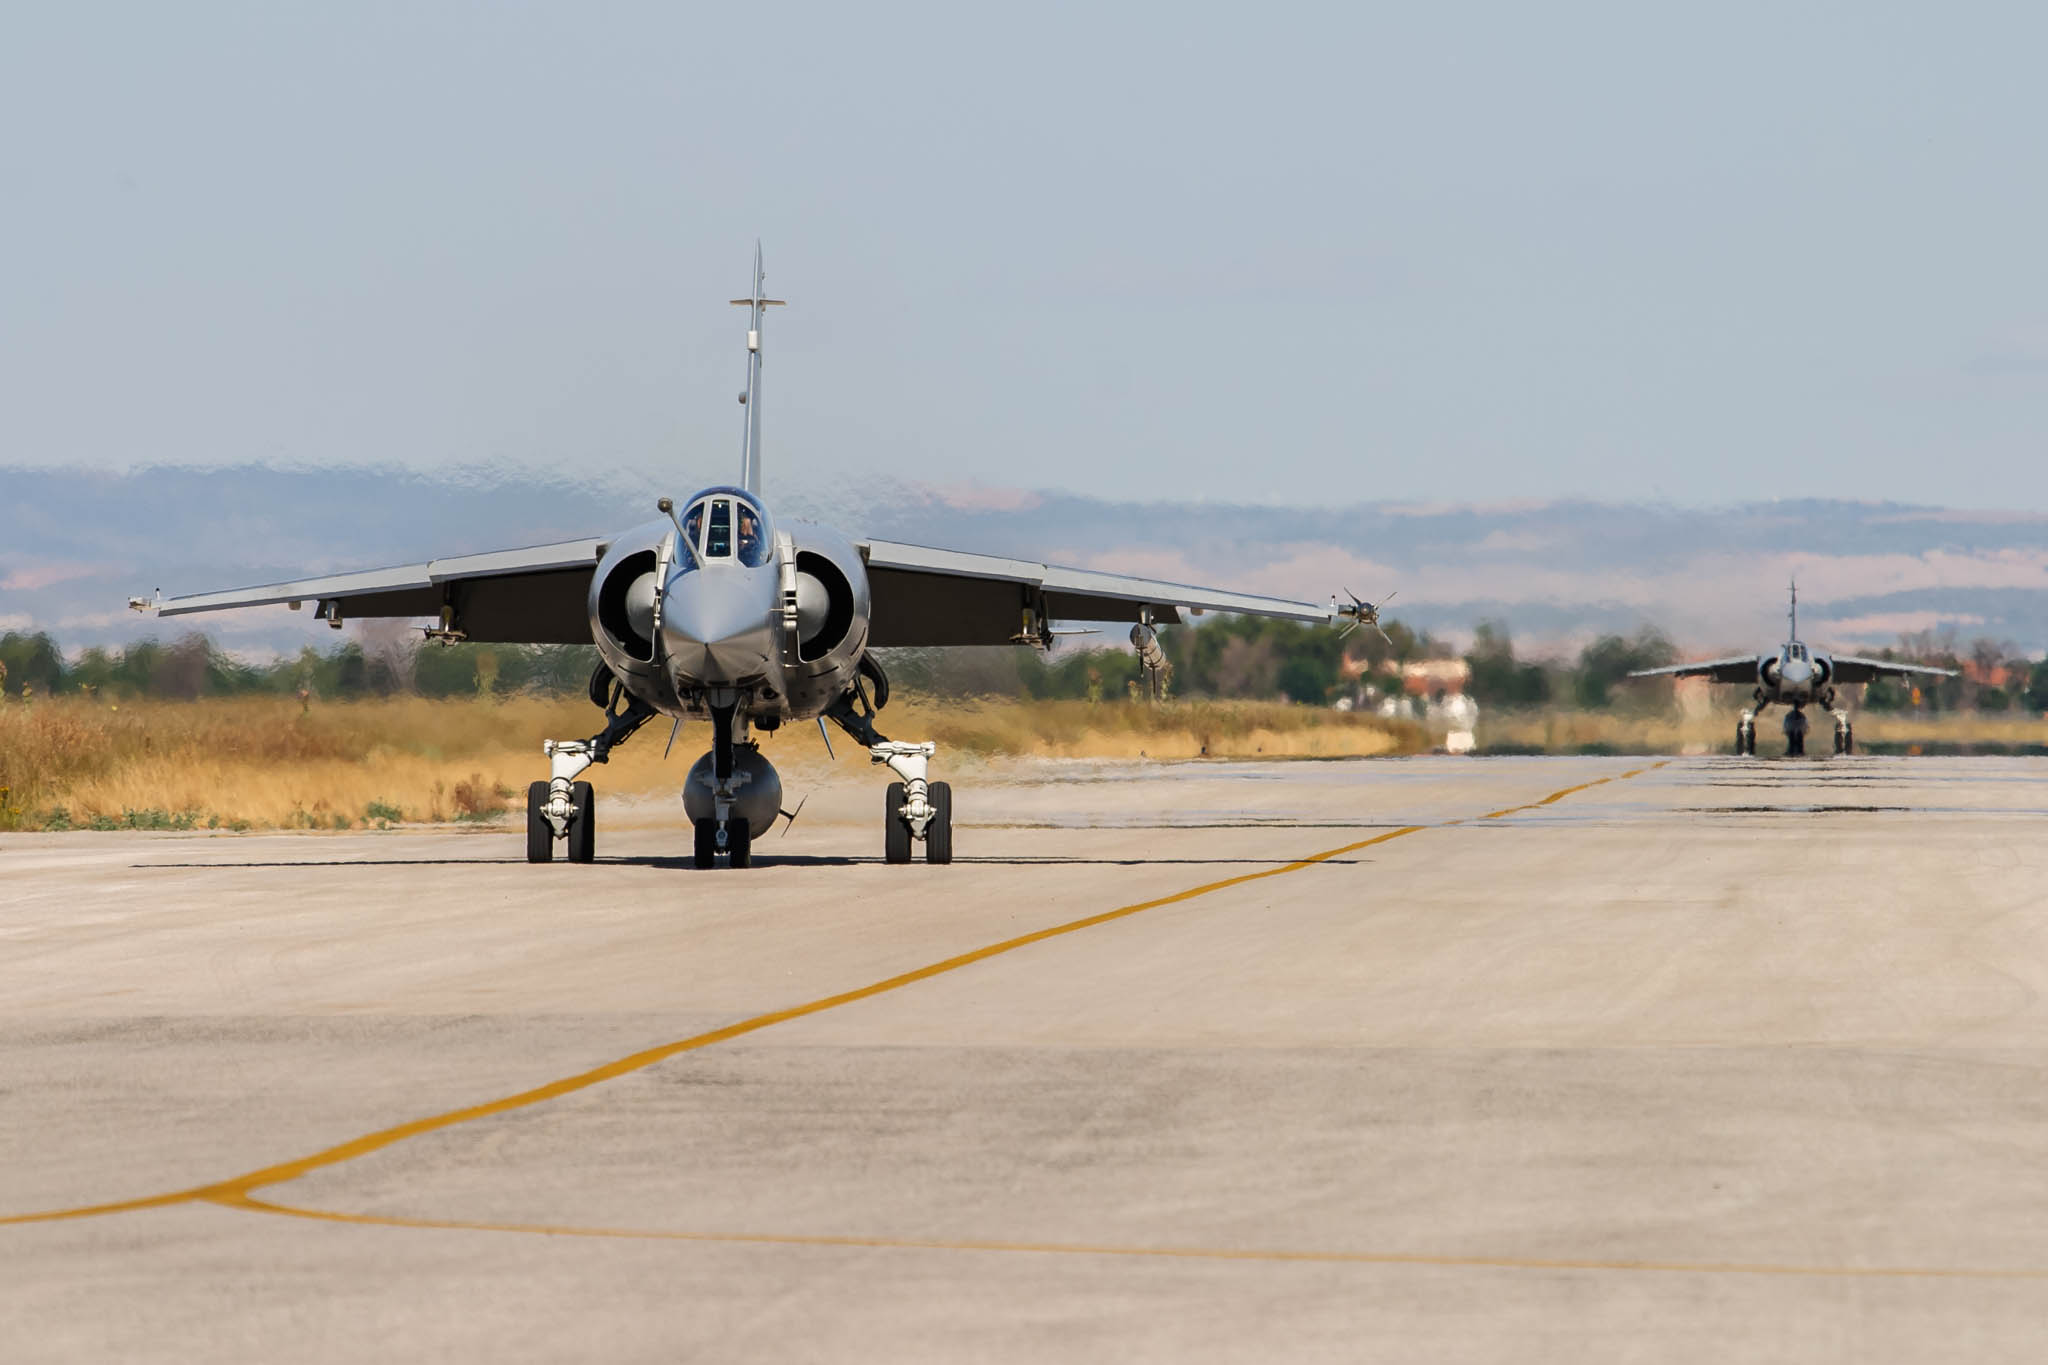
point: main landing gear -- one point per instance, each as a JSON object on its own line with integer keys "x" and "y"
{"x": 914, "y": 810}
{"x": 733, "y": 793}
{"x": 1795, "y": 731}
{"x": 563, "y": 808}
{"x": 1745, "y": 728}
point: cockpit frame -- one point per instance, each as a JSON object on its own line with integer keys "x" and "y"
{"x": 725, "y": 525}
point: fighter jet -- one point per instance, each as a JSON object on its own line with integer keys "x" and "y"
{"x": 1795, "y": 677}
{"x": 723, "y": 612}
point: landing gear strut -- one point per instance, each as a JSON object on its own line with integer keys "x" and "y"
{"x": 1745, "y": 728}
{"x": 915, "y": 809}
{"x": 734, "y": 765}
{"x": 737, "y": 842}
{"x": 1845, "y": 734}
{"x": 562, "y": 807}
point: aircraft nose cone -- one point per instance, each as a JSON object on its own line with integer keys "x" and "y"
{"x": 1795, "y": 673}
{"x": 716, "y": 629}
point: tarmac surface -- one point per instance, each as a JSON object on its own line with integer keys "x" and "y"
{"x": 1446, "y": 1059}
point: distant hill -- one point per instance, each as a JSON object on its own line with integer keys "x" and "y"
{"x": 73, "y": 547}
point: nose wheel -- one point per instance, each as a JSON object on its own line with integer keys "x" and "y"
{"x": 737, "y": 846}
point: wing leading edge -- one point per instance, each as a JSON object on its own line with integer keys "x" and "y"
{"x": 533, "y": 595}
{"x": 1848, "y": 668}
{"x": 927, "y": 596}
{"x": 1739, "y": 669}
{"x": 921, "y": 596}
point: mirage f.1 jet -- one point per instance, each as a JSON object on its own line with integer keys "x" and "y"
{"x": 1796, "y": 677}
{"x": 720, "y": 611}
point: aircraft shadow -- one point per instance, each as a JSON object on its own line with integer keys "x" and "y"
{"x": 760, "y": 861}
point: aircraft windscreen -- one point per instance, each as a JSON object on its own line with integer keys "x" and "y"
{"x": 718, "y": 540}
{"x": 753, "y": 537}
{"x": 730, "y": 525}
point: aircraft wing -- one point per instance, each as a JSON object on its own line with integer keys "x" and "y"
{"x": 1850, "y": 669}
{"x": 1739, "y": 669}
{"x": 925, "y": 596}
{"x": 534, "y": 595}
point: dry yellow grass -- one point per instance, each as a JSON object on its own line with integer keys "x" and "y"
{"x": 1181, "y": 729}
{"x": 267, "y": 762}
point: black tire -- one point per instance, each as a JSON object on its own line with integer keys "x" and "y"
{"x": 1741, "y": 740}
{"x": 938, "y": 835}
{"x": 583, "y": 829}
{"x": 739, "y": 842}
{"x": 540, "y": 835}
{"x": 707, "y": 843}
{"x": 1795, "y": 742}
{"x": 895, "y": 829}
{"x": 1848, "y": 739}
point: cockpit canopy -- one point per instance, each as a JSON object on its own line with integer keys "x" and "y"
{"x": 724, "y": 526}
{"x": 1795, "y": 650}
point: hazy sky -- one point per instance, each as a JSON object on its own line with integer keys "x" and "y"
{"x": 1296, "y": 254}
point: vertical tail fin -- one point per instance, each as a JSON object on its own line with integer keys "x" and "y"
{"x": 1792, "y": 617}
{"x": 750, "y": 441}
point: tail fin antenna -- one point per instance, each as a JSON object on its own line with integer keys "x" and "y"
{"x": 750, "y": 447}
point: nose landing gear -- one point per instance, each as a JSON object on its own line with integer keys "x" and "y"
{"x": 735, "y": 838}
{"x": 1795, "y": 733}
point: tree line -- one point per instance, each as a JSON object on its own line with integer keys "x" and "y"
{"x": 1224, "y": 657}
{"x": 384, "y": 664}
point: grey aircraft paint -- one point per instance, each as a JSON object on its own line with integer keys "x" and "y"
{"x": 719, "y": 611}
{"x": 1795, "y": 677}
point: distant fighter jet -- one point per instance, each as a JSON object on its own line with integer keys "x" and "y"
{"x": 722, "y": 613}
{"x": 1795, "y": 676}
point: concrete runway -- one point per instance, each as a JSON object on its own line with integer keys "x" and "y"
{"x": 1439, "y": 1059}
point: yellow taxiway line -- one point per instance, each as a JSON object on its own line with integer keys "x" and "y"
{"x": 237, "y": 1192}
{"x": 1183, "y": 1253}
